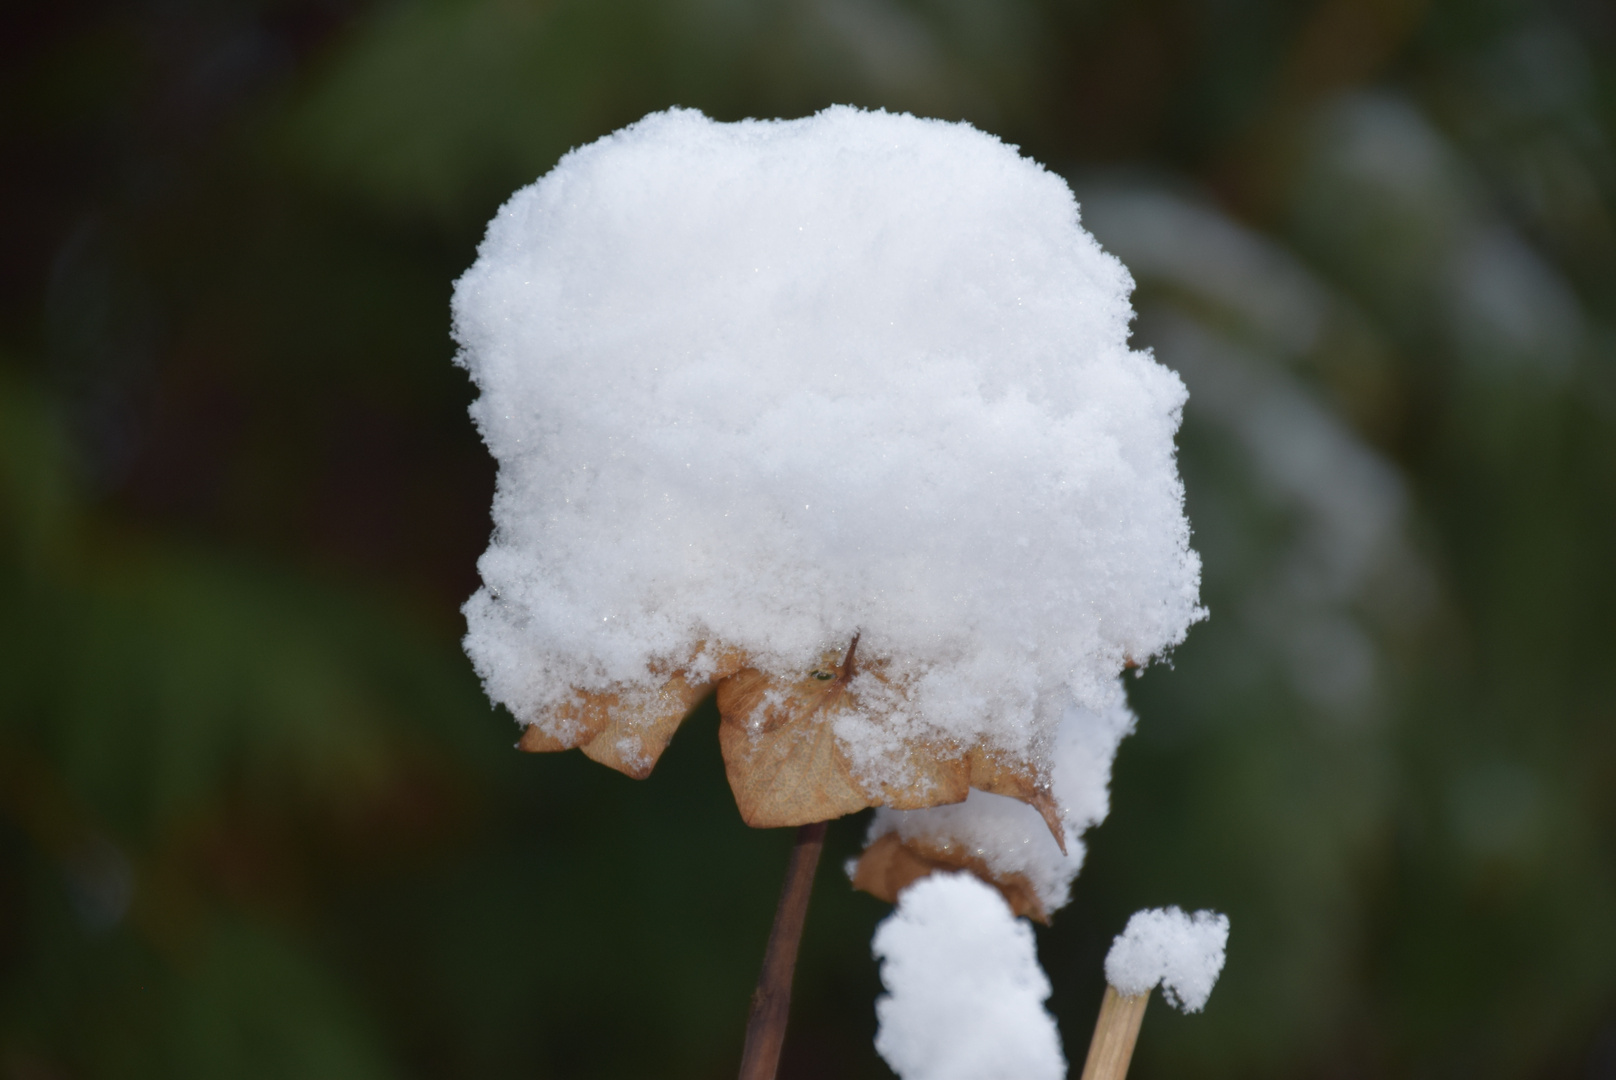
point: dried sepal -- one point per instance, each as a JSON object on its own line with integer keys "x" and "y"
{"x": 786, "y": 765}
{"x": 1019, "y": 778}
{"x": 891, "y": 864}
{"x": 784, "y": 762}
{"x": 627, "y": 729}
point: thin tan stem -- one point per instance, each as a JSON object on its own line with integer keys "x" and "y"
{"x": 771, "y": 1002}
{"x": 1114, "y": 1035}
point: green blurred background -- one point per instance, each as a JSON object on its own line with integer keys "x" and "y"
{"x": 256, "y": 818}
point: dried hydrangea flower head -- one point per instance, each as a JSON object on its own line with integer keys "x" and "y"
{"x": 836, "y": 415}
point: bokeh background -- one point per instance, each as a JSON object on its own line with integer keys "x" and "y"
{"x": 256, "y": 817}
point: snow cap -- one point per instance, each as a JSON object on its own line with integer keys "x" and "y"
{"x": 1184, "y": 953}
{"x": 768, "y": 384}
{"x": 965, "y": 993}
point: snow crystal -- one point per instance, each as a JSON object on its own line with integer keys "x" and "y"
{"x": 769, "y": 384}
{"x": 1184, "y": 953}
{"x": 1009, "y": 836}
{"x": 965, "y": 993}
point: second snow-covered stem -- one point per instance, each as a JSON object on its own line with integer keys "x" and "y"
{"x": 1115, "y": 1035}
{"x": 771, "y": 1002}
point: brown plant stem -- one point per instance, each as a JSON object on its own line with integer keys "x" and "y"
{"x": 771, "y": 1002}
{"x": 1114, "y": 1035}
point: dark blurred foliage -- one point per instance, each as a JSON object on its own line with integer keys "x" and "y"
{"x": 256, "y": 819}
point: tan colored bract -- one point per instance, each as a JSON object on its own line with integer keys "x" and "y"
{"x": 785, "y": 764}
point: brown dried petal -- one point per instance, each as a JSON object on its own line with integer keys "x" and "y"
{"x": 634, "y": 738}
{"x": 934, "y": 780}
{"x": 1019, "y": 778}
{"x": 784, "y": 761}
{"x": 625, "y": 730}
{"x": 786, "y": 766}
{"x": 579, "y": 720}
{"x": 781, "y": 753}
{"x": 891, "y": 864}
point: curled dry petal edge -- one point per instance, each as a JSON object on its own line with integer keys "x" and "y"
{"x": 785, "y": 763}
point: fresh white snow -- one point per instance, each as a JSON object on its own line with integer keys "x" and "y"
{"x": 965, "y": 993}
{"x": 772, "y": 383}
{"x": 1184, "y": 953}
{"x": 1010, "y": 836}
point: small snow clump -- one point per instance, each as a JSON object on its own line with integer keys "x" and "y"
{"x": 965, "y": 993}
{"x": 1184, "y": 953}
{"x": 765, "y": 385}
